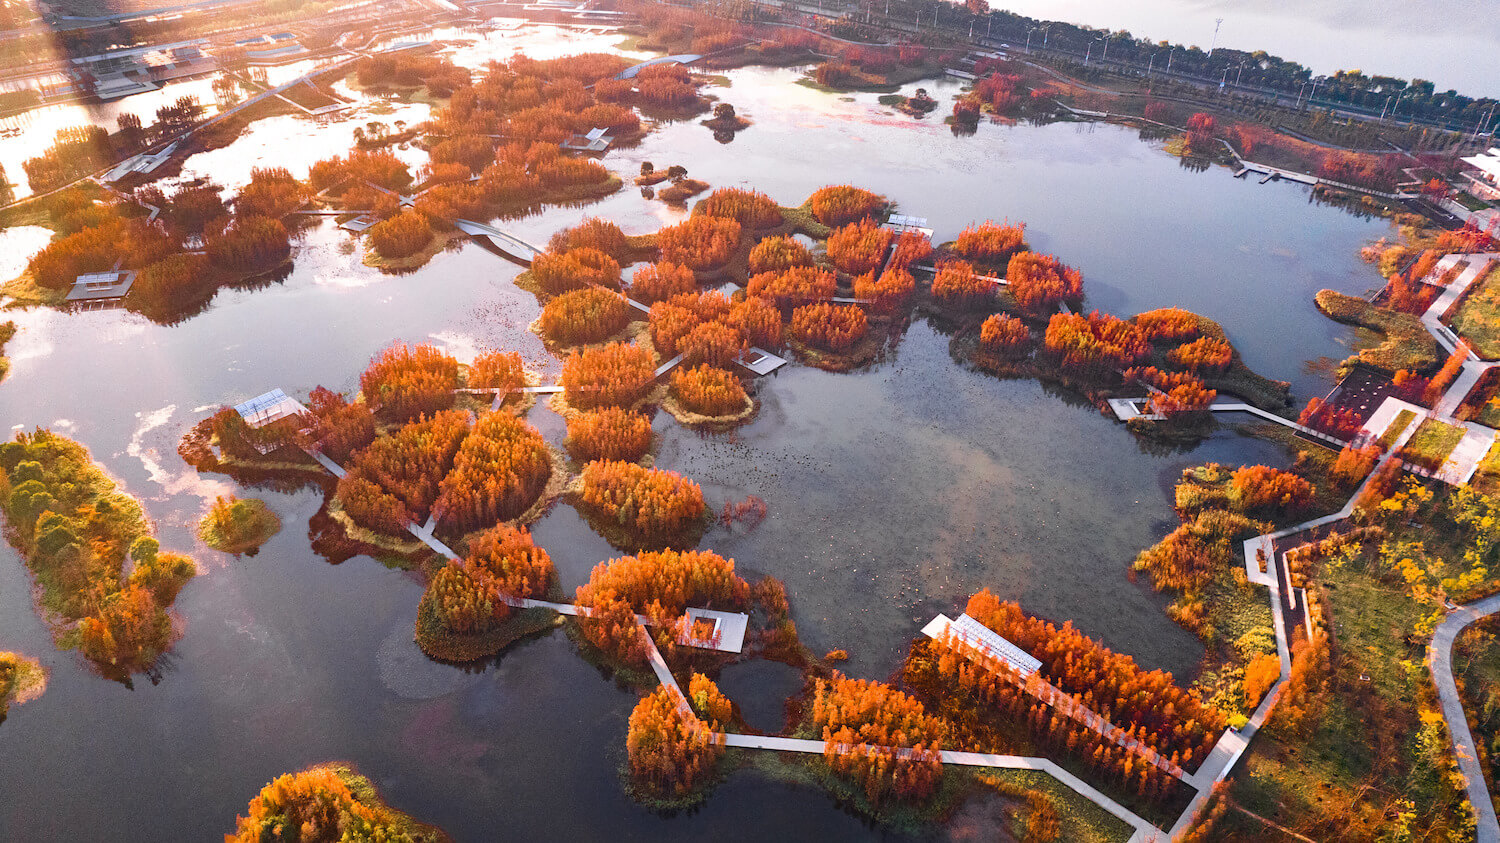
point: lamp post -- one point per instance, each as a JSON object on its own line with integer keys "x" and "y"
{"x": 1212, "y": 46}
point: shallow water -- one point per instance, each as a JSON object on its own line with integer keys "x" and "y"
{"x": 893, "y": 492}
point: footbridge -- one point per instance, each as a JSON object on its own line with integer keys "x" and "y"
{"x": 507, "y": 243}
{"x": 630, "y": 72}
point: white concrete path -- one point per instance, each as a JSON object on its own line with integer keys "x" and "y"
{"x": 1440, "y": 662}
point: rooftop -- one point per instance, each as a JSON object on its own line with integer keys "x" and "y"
{"x": 712, "y": 630}
{"x": 101, "y": 286}
{"x": 271, "y": 406}
{"x": 984, "y": 639}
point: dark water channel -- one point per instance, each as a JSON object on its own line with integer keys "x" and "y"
{"x": 893, "y": 492}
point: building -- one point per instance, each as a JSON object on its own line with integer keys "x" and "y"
{"x": 597, "y": 140}
{"x": 1483, "y": 182}
{"x": 100, "y": 287}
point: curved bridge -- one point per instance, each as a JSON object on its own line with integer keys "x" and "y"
{"x": 507, "y": 243}
{"x": 630, "y": 72}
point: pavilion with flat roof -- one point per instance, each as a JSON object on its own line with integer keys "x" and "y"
{"x": 269, "y": 407}
{"x": 101, "y": 286}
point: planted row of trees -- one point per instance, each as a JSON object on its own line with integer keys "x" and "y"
{"x": 1173, "y": 721}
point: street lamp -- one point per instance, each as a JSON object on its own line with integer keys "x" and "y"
{"x": 1217, "y": 23}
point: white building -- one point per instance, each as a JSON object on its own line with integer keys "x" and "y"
{"x": 1483, "y": 182}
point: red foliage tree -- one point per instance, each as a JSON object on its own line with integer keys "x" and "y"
{"x": 958, "y": 285}
{"x": 990, "y": 242}
{"x": 1040, "y": 281}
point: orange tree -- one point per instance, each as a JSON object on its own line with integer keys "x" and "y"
{"x": 892, "y": 289}
{"x": 957, "y": 284}
{"x": 1171, "y": 324}
{"x": 650, "y": 503}
{"x": 712, "y": 344}
{"x": 609, "y": 434}
{"x": 666, "y": 583}
{"x": 400, "y": 236}
{"x": 708, "y": 391}
{"x": 471, "y": 599}
{"x": 407, "y": 381}
{"x": 1204, "y": 354}
{"x": 497, "y": 370}
{"x": 656, "y": 282}
{"x": 751, "y": 209}
{"x": 864, "y": 724}
{"x": 798, "y": 285}
{"x": 1038, "y": 280}
{"x": 500, "y": 469}
{"x": 828, "y": 326}
{"x": 672, "y": 320}
{"x": 841, "y": 204}
{"x": 396, "y": 479}
{"x": 859, "y": 247}
{"x": 584, "y": 316}
{"x": 775, "y": 254}
{"x": 701, "y": 242}
{"x": 990, "y": 243}
{"x": 574, "y": 269}
{"x": 1002, "y": 334}
{"x": 758, "y": 321}
{"x": 325, "y": 803}
{"x": 617, "y": 374}
{"x": 593, "y": 233}
{"x": 670, "y": 751}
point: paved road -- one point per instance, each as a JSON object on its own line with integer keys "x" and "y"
{"x": 1440, "y": 662}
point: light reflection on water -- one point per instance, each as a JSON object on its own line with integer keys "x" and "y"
{"x": 893, "y": 492}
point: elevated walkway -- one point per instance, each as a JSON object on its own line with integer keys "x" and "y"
{"x": 507, "y": 243}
